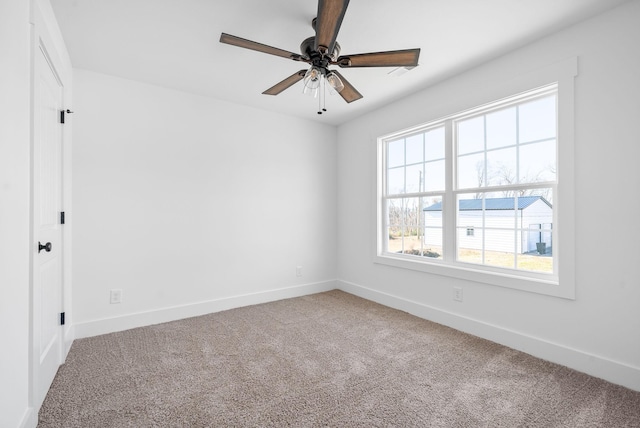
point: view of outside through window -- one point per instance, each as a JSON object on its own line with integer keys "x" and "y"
{"x": 504, "y": 176}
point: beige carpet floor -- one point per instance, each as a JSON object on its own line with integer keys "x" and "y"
{"x": 330, "y": 359}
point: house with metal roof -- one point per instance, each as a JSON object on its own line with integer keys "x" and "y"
{"x": 511, "y": 224}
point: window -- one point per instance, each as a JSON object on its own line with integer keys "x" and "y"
{"x": 505, "y": 163}
{"x": 475, "y": 195}
{"x": 504, "y": 158}
{"x": 415, "y": 172}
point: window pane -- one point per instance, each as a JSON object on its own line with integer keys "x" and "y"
{"x": 537, "y": 119}
{"x": 408, "y": 229}
{"x": 528, "y": 197}
{"x": 499, "y": 212}
{"x": 469, "y": 216}
{"x": 501, "y": 167}
{"x": 471, "y": 171}
{"x": 414, "y": 148}
{"x": 413, "y": 214}
{"x": 434, "y": 144}
{"x": 395, "y": 154}
{"x": 469, "y": 247}
{"x": 537, "y": 248}
{"x": 394, "y": 243}
{"x": 394, "y": 212}
{"x": 499, "y": 247}
{"x": 535, "y": 263}
{"x": 415, "y": 178}
{"x": 394, "y": 219}
{"x": 471, "y": 135}
{"x": 546, "y": 193}
{"x": 395, "y": 181}
{"x": 432, "y": 212}
{"x": 469, "y": 211}
{"x": 412, "y": 232}
{"x": 432, "y": 246}
{"x": 517, "y": 228}
{"x": 538, "y": 162}
{"x": 410, "y": 241}
{"x": 536, "y": 222}
{"x": 434, "y": 176}
{"x": 501, "y": 128}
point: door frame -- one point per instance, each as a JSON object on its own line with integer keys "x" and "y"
{"x": 46, "y": 36}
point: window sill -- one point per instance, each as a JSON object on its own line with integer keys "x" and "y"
{"x": 549, "y": 287}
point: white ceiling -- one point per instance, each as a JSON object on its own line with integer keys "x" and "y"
{"x": 174, "y": 43}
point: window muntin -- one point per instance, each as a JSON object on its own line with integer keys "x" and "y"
{"x": 503, "y": 161}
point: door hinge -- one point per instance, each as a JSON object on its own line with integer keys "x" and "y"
{"x": 62, "y": 217}
{"x": 61, "y": 318}
{"x": 62, "y": 113}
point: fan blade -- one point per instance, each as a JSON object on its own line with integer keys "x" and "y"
{"x": 248, "y": 44}
{"x": 349, "y": 93}
{"x": 329, "y": 19}
{"x": 403, "y": 58}
{"x": 279, "y": 87}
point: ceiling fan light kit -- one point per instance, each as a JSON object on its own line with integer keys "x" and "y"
{"x": 334, "y": 81}
{"x": 322, "y": 51}
{"x": 312, "y": 77}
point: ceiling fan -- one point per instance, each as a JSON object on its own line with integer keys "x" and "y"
{"x": 322, "y": 51}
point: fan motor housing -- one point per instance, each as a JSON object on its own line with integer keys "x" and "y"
{"x": 307, "y": 49}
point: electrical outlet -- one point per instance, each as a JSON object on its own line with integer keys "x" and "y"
{"x": 457, "y": 294}
{"x": 298, "y": 270}
{"x": 116, "y": 296}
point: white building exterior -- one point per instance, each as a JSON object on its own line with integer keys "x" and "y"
{"x": 496, "y": 224}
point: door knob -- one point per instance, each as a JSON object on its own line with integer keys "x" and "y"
{"x": 46, "y": 247}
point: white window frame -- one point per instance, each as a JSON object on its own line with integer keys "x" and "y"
{"x": 562, "y": 282}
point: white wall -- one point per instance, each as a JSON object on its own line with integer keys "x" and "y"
{"x": 191, "y": 205}
{"x": 598, "y": 331}
{"x": 14, "y": 211}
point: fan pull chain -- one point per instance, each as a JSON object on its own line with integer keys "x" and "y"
{"x": 320, "y": 91}
{"x": 322, "y": 95}
{"x": 324, "y": 99}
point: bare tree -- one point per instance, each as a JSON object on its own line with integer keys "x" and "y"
{"x": 480, "y": 177}
{"x": 503, "y": 175}
{"x": 404, "y": 214}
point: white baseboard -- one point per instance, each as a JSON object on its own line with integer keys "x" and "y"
{"x": 30, "y": 419}
{"x": 69, "y": 336}
{"x": 594, "y": 365}
{"x": 141, "y": 319}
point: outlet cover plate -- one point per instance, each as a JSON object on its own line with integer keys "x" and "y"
{"x": 457, "y": 294}
{"x": 115, "y": 296}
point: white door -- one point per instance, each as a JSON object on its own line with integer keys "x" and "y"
{"x": 47, "y": 233}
